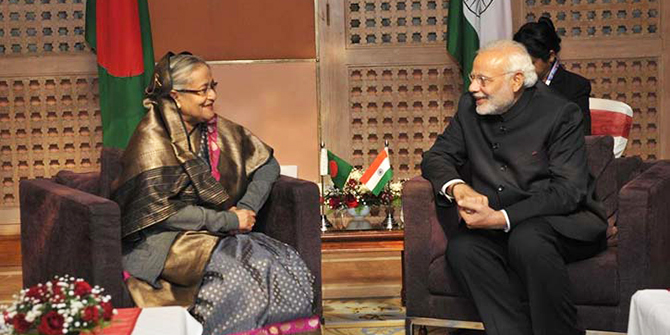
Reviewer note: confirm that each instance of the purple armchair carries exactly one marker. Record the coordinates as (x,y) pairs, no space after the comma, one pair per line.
(69,226)
(636,195)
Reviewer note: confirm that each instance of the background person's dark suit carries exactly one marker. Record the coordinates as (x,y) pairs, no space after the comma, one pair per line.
(530,161)
(576,89)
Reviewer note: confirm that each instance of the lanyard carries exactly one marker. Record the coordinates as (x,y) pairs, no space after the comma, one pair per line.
(554,68)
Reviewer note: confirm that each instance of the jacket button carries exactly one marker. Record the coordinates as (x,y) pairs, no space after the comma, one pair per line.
(496,146)
(503,167)
(503,129)
(501,188)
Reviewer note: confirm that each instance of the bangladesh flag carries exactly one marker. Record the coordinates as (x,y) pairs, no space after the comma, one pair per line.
(472,24)
(336,167)
(119,31)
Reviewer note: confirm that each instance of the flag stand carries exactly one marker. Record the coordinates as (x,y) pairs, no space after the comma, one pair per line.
(389,223)
(325,224)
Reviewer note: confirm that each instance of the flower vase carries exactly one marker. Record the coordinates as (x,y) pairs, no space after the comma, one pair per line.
(358,218)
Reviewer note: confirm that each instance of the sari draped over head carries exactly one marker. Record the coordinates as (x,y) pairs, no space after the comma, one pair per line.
(162,172)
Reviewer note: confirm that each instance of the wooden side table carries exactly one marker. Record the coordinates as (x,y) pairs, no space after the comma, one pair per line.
(359,264)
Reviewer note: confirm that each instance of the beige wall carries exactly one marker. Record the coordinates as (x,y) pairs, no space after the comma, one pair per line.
(277,102)
(274,95)
(234,29)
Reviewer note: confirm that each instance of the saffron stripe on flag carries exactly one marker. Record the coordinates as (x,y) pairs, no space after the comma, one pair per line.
(378,174)
(374,166)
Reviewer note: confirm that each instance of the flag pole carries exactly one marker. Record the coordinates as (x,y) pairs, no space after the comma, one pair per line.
(324,220)
(390,223)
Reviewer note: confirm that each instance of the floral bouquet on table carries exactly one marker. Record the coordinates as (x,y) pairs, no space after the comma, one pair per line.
(64,305)
(356,195)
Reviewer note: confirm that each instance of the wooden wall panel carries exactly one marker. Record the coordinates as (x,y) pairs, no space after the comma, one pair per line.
(385,75)
(234,29)
(49,114)
(619,46)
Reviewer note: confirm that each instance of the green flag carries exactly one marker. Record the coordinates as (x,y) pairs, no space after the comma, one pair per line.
(338,170)
(472,24)
(119,31)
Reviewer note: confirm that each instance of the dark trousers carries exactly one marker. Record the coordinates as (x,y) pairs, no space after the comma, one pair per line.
(519,280)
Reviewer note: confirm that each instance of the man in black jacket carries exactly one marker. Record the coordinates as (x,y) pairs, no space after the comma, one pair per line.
(528,206)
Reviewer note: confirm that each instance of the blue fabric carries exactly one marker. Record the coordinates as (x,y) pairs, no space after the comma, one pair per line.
(251,281)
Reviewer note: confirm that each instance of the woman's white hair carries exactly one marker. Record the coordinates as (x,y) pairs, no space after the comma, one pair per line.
(517,57)
(181,67)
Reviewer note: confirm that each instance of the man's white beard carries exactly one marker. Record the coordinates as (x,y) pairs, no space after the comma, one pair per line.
(496,104)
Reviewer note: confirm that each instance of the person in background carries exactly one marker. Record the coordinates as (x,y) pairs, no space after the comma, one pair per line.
(543,45)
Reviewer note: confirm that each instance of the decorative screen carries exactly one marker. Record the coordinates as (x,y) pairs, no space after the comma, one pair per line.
(599,18)
(47,124)
(406,105)
(374,23)
(42,27)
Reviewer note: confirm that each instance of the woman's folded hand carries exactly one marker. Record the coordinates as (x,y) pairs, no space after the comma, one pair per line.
(246,219)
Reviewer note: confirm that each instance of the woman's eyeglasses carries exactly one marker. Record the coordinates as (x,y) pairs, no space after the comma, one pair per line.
(202,92)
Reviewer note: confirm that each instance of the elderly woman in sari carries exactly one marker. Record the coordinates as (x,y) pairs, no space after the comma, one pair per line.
(191,185)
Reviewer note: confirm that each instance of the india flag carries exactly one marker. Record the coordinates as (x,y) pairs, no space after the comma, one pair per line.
(119,31)
(379,173)
(474,23)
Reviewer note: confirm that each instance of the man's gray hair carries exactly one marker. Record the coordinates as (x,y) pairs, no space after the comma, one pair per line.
(181,66)
(518,59)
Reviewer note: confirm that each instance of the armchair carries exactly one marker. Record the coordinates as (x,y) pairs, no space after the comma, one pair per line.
(69,226)
(635,194)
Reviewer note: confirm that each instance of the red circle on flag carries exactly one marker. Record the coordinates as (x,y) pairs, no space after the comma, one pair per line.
(332,167)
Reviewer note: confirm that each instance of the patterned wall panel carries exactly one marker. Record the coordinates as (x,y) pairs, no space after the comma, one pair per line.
(38,27)
(406,105)
(47,124)
(635,82)
(374,23)
(599,18)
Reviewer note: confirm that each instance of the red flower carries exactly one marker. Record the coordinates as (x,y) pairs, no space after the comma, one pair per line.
(351,201)
(58,295)
(36,292)
(352,183)
(20,324)
(52,324)
(91,314)
(334,202)
(107,311)
(82,288)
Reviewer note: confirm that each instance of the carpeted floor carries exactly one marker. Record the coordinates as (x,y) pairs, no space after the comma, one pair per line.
(364,317)
(367,317)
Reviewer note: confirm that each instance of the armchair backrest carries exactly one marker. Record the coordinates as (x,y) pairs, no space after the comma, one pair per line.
(110,169)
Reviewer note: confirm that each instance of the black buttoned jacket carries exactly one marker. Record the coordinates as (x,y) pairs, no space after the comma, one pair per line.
(530,161)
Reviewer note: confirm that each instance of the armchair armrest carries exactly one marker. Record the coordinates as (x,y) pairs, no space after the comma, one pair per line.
(427,228)
(88,182)
(644,230)
(67,231)
(291,215)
